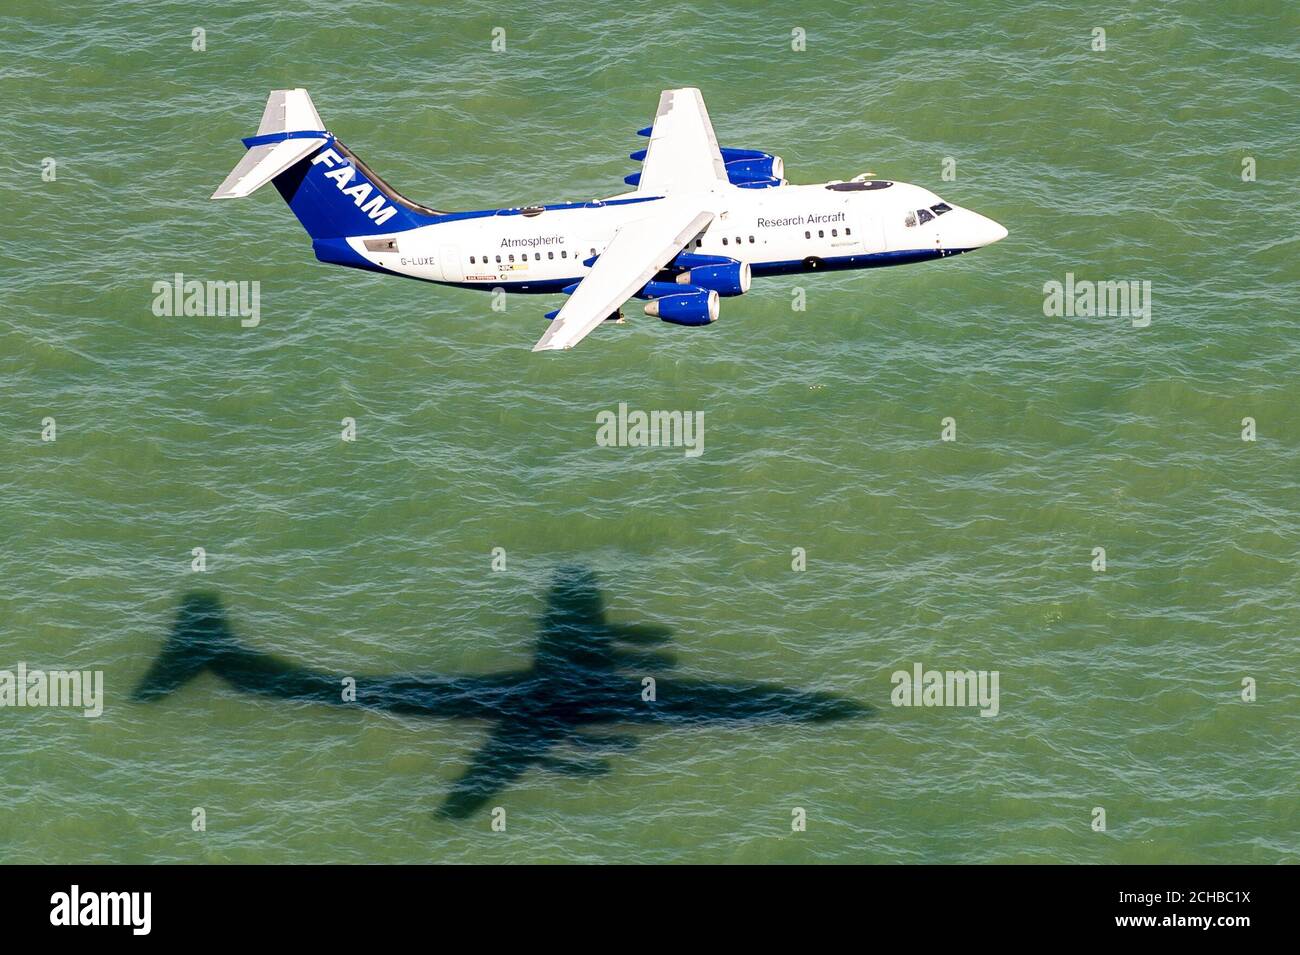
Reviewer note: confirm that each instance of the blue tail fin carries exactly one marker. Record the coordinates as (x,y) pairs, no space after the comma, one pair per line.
(333,193)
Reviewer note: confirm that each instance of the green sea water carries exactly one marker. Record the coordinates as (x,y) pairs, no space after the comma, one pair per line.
(1119,690)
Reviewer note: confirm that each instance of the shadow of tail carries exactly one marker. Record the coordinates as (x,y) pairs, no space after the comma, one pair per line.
(199,637)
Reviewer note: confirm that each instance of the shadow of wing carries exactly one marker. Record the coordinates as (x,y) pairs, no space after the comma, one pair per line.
(509,751)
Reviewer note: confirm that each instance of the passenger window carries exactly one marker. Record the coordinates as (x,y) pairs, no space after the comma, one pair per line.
(821,233)
(923,216)
(498,260)
(751,240)
(834,233)
(564,253)
(471,260)
(511,257)
(724,240)
(848,231)
(807,235)
(550,255)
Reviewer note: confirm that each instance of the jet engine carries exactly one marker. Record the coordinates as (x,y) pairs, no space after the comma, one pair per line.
(748,168)
(728,278)
(692,306)
(752,166)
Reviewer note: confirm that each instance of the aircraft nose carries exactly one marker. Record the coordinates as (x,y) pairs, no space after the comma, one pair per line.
(982,231)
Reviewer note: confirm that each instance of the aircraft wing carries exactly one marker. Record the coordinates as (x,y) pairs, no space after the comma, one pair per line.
(683,154)
(510,749)
(638,250)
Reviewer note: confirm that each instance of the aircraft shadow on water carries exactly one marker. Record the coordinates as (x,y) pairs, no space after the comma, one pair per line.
(586,673)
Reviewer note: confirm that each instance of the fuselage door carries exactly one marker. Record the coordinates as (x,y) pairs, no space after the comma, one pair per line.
(867,223)
(453,270)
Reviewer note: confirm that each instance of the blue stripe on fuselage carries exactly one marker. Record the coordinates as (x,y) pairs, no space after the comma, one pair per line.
(338,252)
(867,260)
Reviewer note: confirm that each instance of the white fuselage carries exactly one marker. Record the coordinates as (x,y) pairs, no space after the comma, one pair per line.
(784,229)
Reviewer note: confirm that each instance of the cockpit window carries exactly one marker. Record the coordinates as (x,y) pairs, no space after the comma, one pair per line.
(923,216)
(941,208)
(910,220)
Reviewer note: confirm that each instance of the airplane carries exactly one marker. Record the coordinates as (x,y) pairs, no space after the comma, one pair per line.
(586,673)
(701,221)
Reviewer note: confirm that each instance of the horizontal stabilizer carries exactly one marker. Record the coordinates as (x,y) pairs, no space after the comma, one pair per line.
(290,129)
(263,163)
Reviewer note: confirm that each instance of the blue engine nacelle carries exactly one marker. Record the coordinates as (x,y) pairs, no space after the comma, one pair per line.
(760,168)
(729,278)
(693,306)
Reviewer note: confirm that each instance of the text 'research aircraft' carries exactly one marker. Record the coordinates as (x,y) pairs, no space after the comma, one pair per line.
(700,222)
